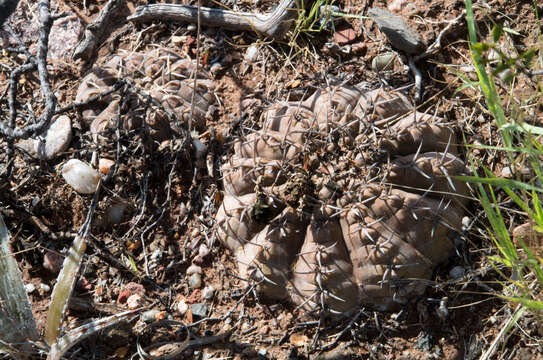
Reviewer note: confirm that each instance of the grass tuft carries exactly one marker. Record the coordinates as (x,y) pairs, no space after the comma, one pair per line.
(522,150)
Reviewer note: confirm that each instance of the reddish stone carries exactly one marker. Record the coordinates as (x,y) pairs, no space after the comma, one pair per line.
(195,297)
(344,36)
(123,296)
(128,290)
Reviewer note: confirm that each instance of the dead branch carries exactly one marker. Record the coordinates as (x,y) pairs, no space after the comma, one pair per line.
(274,25)
(12,132)
(97,30)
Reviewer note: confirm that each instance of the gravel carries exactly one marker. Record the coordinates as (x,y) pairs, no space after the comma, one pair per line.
(400,35)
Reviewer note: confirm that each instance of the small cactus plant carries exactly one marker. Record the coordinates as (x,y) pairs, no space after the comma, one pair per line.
(344,199)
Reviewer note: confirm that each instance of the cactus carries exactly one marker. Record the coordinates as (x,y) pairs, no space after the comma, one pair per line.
(342,200)
(162,74)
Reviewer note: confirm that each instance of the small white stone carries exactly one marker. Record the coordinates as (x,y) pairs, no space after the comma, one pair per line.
(194,269)
(182,307)
(262,352)
(105,165)
(507,173)
(215,68)
(208,292)
(45,287)
(251,54)
(30,288)
(134,301)
(56,139)
(81,176)
(203,250)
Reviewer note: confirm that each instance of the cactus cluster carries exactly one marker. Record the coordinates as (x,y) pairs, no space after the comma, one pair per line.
(345,199)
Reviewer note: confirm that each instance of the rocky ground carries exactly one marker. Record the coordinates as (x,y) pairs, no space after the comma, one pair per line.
(153,242)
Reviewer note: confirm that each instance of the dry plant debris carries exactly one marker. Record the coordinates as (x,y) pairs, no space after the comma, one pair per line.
(346,198)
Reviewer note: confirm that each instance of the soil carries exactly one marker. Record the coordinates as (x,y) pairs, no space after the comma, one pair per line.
(170,197)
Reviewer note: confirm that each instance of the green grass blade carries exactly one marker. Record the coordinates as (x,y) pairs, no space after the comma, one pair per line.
(499,182)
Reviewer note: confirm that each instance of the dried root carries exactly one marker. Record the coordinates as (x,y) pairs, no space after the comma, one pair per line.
(344,199)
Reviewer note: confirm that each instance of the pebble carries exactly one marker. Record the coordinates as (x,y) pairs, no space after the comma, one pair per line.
(194,269)
(81,176)
(195,281)
(182,307)
(262,352)
(216,68)
(466,222)
(203,250)
(116,212)
(251,54)
(506,172)
(200,148)
(524,172)
(105,165)
(65,35)
(45,288)
(134,301)
(150,315)
(208,292)
(30,288)
(191,27)
(52,261)
(56,139)
(457,272)
(397,31)
(199,310)
(384,62)
(344,36)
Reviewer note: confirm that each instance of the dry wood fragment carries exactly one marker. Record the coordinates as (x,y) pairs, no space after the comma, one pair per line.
(97,30)
(274,25)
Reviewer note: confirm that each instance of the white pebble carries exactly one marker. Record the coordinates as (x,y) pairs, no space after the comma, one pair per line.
(46,288)
(203,250)
(215,68)
(105,165)
(194,269)
(134,301)
(30,288)
(81,176)
(208,292)
(251,54)
(182,307)
(57,138)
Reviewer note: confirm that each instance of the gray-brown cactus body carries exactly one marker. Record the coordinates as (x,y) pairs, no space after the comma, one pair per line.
(161,73)
(355,199)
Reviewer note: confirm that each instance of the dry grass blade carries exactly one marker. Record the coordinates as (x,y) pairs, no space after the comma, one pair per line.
(16,319)
(67,277)
(64,343)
